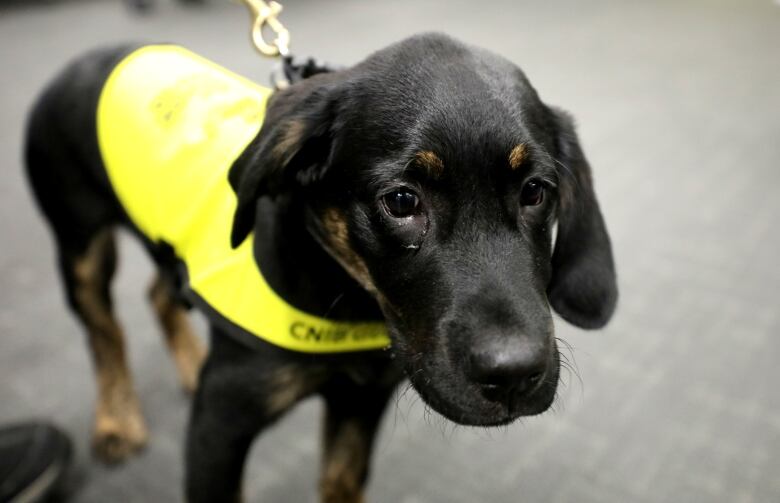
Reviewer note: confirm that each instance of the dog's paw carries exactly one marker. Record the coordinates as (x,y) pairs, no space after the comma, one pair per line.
(115,440)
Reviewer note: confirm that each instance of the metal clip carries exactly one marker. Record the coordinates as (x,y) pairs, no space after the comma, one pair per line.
(265,14)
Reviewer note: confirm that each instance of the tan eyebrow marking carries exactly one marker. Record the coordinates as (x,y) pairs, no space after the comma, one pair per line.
(517,156)
(430,162)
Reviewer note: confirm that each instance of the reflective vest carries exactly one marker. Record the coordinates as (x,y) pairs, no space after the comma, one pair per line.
(170,124)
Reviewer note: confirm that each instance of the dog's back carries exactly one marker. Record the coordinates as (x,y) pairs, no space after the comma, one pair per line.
(62,155)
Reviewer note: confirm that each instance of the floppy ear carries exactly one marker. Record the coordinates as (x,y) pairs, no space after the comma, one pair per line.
(583,288)
(291,149)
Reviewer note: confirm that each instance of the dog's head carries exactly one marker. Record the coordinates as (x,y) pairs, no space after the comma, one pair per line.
(435,176)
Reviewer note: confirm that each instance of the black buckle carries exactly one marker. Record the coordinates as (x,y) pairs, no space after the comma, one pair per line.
(293,70)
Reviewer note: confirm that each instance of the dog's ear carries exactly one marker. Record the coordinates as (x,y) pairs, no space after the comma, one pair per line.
(583,287)
(292,148)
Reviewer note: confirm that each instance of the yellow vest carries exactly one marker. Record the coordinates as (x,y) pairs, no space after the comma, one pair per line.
(170,124)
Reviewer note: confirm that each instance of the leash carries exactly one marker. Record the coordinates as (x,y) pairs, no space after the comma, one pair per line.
(265,15)
(291,70)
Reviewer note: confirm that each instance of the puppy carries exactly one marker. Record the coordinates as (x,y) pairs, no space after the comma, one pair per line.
(391,220)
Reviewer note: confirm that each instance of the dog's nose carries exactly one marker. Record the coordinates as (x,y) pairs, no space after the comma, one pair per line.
(507,369)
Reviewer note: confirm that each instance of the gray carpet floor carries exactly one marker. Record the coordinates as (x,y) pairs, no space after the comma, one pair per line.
(678,104)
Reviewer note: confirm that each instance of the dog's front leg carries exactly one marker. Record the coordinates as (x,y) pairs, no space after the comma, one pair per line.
(352,417)
(241,391)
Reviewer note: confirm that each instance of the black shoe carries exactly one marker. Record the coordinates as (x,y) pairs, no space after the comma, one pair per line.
(33,460)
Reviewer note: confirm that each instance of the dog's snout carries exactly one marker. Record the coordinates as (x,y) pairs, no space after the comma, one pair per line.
(507,369)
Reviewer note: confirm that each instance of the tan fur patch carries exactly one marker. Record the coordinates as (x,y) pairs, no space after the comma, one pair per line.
(431,162)
(288,385)
(338,240)
(517,156)
(292,137)
(185,347)
(345,461)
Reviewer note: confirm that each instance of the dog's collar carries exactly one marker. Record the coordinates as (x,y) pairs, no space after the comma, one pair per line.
(170,125)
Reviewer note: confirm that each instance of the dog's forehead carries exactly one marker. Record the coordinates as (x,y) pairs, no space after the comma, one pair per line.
(432,93)
(433,70)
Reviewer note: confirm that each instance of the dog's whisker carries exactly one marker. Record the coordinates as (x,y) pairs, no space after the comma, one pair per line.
(571,363)
(333,304)
(569,172)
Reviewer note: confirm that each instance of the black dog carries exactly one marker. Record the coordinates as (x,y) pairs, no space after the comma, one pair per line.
(420,187)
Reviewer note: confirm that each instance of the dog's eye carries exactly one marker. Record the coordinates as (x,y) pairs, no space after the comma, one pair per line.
(401,202)
(532,193)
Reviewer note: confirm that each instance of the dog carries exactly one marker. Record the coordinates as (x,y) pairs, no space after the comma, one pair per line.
(426,194)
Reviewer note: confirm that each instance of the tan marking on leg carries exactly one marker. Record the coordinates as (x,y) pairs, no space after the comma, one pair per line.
(344,463)
(185,347)
(119,424)
(517,156)
(431,162)
(290,384)
(340,248)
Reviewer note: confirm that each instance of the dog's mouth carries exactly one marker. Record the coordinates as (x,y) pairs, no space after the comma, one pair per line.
(453,396)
